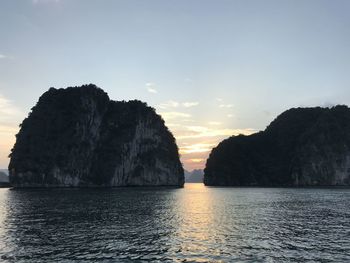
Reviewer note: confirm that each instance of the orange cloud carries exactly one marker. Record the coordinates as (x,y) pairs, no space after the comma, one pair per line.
(196,148)
(200,132)
(174,115)
(192,164)
(196,160)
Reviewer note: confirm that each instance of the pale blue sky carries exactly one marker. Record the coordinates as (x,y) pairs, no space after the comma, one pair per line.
(219,67)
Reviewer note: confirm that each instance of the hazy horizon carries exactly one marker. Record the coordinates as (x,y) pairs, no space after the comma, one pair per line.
(212,69)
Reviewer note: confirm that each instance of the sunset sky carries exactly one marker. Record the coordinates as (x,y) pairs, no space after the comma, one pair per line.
(211,68)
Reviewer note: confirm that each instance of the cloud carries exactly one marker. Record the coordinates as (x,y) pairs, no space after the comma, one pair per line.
(190,104)
(214,123)
(197,128)
(152,90)
(197,148)
(196,142)
(201,132)
(219,99)
(169,104)
(174,115)
(170,124)
(175,104)
(225,106)
(2,56)
(189,120)
(194,156)
(151,87)
(229,115)
(196,160)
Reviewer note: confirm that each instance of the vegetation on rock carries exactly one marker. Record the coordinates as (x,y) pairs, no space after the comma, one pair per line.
(78,137)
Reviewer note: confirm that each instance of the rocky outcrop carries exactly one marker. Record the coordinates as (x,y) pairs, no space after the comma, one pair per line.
(301,147)
(78,137)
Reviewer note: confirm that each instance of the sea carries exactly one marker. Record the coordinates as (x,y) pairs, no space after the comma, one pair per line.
(191,224)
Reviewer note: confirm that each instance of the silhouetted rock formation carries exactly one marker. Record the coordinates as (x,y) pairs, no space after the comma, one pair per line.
(301,147)
(78,137)
(196,176)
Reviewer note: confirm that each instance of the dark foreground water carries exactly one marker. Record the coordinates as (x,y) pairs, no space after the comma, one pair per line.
(193,224)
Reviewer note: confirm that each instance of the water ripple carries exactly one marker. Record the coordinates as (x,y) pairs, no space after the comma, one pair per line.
(194,224)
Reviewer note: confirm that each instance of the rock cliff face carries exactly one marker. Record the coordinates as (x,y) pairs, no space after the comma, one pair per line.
(301,147)
(79,137)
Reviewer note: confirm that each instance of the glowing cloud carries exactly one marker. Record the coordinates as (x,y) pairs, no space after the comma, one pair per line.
(174,115)
(196,160)
(196,148)
(170,124)
(200,132)
(196,141)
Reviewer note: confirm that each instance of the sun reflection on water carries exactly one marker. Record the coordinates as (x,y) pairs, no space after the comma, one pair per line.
(3,217)
(197,229)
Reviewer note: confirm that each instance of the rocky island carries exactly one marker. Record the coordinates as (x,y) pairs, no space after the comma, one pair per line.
(78,137)
(4,179)
(195,176)
(301,147)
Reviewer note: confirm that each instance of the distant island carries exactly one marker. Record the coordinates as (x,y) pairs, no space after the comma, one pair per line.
(195,176)
(301,147)
(78,137)
(4,178)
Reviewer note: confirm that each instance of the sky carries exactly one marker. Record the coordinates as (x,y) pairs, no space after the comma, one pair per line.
(211,69)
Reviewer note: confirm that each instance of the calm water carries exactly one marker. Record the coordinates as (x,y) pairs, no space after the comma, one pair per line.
(193,224)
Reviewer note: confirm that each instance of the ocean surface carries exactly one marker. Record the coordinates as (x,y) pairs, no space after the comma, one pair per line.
(192,224)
